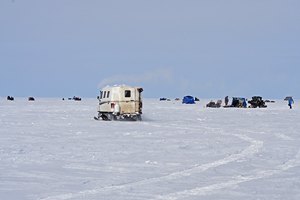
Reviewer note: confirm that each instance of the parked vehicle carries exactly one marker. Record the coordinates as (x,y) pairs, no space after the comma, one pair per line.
(31,99)
(257,102)
(10,98)
(76,98)
(120,102)
(163,99)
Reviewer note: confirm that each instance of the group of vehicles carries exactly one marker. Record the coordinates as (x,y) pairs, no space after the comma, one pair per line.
(10,98)
(238,102)
(74,98)
(123,102)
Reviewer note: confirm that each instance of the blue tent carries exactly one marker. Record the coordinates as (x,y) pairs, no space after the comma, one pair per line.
(238,102)
(188,100)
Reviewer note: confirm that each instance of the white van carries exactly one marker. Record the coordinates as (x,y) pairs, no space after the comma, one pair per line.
(120,102)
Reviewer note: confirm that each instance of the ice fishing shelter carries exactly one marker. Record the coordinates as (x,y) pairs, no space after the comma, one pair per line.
(288,98)
(188,100)
(239,102)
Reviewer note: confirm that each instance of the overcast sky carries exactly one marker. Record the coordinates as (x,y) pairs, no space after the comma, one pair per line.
(171,48)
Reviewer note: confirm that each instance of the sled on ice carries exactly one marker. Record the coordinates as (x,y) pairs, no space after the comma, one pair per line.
(120,102)
(212,104)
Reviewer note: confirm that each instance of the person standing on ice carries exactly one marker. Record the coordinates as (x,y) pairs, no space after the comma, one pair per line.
(226,100)
(290,102)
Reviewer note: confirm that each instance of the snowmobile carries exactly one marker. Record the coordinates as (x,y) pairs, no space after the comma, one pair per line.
(31,99)
(196,99)
(10,98)
(257,102)
(76,98)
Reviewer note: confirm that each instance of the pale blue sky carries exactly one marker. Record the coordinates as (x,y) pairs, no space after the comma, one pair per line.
(172,48)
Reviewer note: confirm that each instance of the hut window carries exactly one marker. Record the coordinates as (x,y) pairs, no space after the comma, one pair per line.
(107,94)
(101,93)
(127,93)
(104,94)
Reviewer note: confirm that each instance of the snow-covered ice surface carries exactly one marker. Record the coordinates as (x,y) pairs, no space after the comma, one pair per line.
(54,150)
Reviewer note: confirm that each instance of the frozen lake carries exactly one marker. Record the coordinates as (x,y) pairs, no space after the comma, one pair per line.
(53,149)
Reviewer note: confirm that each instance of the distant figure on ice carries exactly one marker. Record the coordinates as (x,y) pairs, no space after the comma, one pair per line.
(226,100)
(290,102)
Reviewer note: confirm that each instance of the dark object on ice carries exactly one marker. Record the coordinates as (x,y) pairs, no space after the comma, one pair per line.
(212,104)
(163,99)
(69,98)
(188,100)
(238,102)
(257,102)
(10,98)
(31,99)
(226,100)
(177,99)
(168,99)
(268,101)
(63,99)
(196,99)
(76,98)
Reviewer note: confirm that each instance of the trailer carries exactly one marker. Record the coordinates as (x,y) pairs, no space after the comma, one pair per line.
(120,102)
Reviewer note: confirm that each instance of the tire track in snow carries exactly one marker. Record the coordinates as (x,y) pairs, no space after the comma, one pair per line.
(200,191)
(250,150)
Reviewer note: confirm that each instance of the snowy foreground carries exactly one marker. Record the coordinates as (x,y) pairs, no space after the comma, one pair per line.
(53,150)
